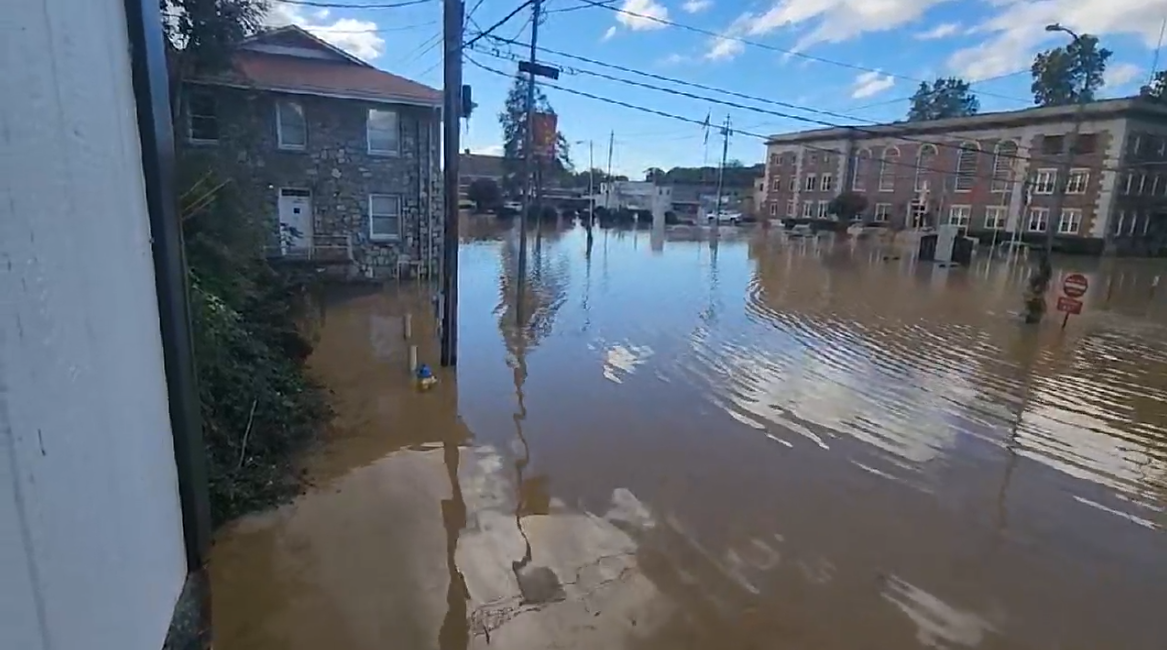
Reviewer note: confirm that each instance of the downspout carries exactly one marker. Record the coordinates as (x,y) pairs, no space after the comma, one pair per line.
(152,100)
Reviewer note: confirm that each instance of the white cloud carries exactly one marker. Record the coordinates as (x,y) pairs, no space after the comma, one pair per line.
(1016,31)
(488,150)
(1120,74)
(724,49)
(829,21)
(357,37)
(870,84)
(650,12)
(608,34)
(939,31)
(696,6)
(673,59)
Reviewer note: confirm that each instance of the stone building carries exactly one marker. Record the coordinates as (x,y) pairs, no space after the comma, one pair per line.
(342,157)
(993,174)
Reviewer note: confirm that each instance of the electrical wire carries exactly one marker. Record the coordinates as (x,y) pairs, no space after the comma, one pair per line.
(486,32)
(714,100)
(764,138)
(765,46)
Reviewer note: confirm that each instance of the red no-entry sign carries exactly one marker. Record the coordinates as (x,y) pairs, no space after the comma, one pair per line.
(1075,285)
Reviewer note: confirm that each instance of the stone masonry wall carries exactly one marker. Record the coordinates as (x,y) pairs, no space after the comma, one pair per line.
(338,170)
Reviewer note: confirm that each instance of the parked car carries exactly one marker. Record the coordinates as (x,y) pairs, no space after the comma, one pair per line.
(732,218)
(510,208)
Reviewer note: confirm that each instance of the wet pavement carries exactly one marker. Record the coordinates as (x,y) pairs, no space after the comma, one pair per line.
(740,442)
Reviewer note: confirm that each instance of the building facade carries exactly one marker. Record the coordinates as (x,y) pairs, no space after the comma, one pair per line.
(343,158)
(993,174)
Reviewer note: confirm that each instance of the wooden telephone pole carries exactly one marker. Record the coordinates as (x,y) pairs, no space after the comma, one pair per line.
(451,118)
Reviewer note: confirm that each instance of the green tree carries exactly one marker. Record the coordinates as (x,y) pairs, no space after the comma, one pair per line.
(485,193)
(848,205)
(1157,89)
(946,97)
(654,174)
(513,120)
(1069,74)
(202,34)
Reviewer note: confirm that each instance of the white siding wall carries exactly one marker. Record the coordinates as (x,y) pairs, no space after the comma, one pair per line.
(91,547)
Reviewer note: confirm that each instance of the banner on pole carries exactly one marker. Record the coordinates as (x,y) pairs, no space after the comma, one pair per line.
(545,134)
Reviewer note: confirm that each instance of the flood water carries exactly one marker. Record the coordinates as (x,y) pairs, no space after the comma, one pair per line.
(679,441)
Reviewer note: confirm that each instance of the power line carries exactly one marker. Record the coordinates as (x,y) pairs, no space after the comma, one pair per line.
(488,30)
(884,102)
(340,5)
(764,138)
(743,41)
(680,93)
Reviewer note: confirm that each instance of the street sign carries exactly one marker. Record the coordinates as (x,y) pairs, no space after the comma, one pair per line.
(545,134)
(1069,305)
(1075,285)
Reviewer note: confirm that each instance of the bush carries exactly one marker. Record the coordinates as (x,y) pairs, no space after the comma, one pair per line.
(258,405)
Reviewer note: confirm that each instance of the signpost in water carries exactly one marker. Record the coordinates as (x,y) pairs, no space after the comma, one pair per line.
(1074,286)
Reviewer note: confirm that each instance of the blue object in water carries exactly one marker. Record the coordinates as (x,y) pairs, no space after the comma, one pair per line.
(424,372)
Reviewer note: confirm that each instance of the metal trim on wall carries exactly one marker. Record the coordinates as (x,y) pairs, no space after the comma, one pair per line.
(152,100)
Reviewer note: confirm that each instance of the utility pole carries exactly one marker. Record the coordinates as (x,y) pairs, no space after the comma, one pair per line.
(529,140)
(608,194)
(452,107)
(721,170)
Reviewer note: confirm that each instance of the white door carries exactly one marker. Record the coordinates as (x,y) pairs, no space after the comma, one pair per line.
(295,221)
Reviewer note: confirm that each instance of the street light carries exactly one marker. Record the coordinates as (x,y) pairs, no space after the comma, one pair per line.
(1039,283)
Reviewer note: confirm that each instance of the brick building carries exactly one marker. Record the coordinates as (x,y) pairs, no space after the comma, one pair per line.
(990,172)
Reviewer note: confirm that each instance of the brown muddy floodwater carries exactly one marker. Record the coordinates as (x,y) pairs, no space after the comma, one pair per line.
(749,442)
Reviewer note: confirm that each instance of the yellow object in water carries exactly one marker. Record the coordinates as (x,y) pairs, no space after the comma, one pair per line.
(426,383)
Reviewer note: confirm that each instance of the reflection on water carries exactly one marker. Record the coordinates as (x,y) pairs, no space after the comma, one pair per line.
(744,441)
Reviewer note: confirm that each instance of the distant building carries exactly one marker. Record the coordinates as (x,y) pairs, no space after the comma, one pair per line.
(473,166)
(991,172)
(343,157)
(636,195)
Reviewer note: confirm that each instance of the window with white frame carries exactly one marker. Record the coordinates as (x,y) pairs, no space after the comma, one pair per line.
(1077,181)
(793,184)
(1133,222)
(862,165)
(384,217)
(773,209)
(1070,222)
(808,209)
(1142,184)
(202,117)
(887,169)
(776,184)
(882,212)
(791,206)
(925,166)
(996,217)
(1038,220)
(966,166)
(812,158)
(1117,227)
(824,209)
(920,215)
(811,183)
(291,129)
(826,182)
(382,131)
(1127,182)
(959,215)
(1004,155)
(1044,181)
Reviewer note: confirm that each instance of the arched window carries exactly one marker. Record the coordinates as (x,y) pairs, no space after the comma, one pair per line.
(925,167)
(887,169)
(966,166)
(862,165)
(1004,156)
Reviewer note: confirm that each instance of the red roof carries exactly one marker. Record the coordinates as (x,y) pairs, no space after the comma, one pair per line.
(314,76)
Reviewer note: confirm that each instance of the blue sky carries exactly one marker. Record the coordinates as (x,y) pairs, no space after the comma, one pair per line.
(857,58)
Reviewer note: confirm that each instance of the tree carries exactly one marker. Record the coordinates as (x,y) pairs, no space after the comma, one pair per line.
(202,34)
(848,205)
(485,193)
(947,97)
(1069,74)
(513,120)
(1157,89)
(654,174)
